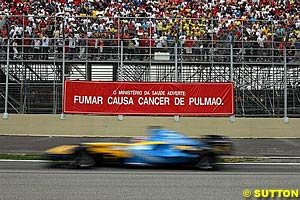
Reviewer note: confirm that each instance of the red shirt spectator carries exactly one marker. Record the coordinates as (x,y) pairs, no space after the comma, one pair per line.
(189,42)
(91,42)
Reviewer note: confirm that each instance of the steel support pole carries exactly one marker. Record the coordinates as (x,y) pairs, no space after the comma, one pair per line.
(150,51)
(5,114)
(122,62)
(120,78)
(62,115)
(232,117)
(176,117)
(176,62)
(285,118)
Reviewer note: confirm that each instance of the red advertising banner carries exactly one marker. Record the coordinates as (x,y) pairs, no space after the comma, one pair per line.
(127,98)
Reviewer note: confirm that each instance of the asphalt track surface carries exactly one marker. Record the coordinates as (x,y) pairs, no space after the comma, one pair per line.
(22,180)
(243,147)
(35,181)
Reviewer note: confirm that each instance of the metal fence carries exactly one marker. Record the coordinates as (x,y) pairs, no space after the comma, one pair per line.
(265,69)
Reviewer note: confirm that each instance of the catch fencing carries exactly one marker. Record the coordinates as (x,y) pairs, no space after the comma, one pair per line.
(37,57)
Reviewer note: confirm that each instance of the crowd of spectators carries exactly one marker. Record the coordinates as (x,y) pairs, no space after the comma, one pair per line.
(198,27)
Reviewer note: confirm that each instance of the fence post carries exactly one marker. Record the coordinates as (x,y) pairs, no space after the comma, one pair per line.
(150,50)
(121,63)
(62,115)
(176,117)
(176,61)
(285,118)
(5,114)
(232,117)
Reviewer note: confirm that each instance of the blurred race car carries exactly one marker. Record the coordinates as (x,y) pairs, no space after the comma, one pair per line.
(161,148)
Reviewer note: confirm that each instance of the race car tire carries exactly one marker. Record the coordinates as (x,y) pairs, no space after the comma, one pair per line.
(82,160)
(222,145)
(207,162)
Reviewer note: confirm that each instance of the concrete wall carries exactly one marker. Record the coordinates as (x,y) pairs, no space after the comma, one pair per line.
(86,125)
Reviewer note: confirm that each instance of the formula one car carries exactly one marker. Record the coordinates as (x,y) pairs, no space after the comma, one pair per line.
(161,148)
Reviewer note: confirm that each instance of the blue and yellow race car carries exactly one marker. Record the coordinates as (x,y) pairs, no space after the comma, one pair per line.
(161,148)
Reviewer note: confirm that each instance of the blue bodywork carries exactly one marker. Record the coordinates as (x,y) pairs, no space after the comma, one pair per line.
(172,137)
(164,152)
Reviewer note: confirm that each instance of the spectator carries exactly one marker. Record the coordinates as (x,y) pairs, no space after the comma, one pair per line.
(100,46)
(82,45)
(126,38)
(114,47)
(92,47)
(45,47)
(144,46)
(15,49)
(297,49)
(130,49)
(37,49)
(159,45)
(72,46)
(188,47)
(59,44)
(136,42)
(160,19)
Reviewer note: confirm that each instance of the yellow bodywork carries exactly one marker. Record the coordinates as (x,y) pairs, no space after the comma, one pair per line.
(183,147)
(108,149)
(62,150)
(222,148)
(118,150)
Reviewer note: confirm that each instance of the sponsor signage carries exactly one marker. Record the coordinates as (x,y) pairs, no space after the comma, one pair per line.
(128,98)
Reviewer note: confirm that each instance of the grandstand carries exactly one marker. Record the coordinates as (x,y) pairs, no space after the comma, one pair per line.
(255,44)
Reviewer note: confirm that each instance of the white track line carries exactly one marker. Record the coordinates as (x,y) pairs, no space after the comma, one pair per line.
(265,163)
(263,157)
(9,160)
(241,163)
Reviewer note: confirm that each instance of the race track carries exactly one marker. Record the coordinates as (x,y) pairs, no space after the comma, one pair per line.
(243,147)
(34,181)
